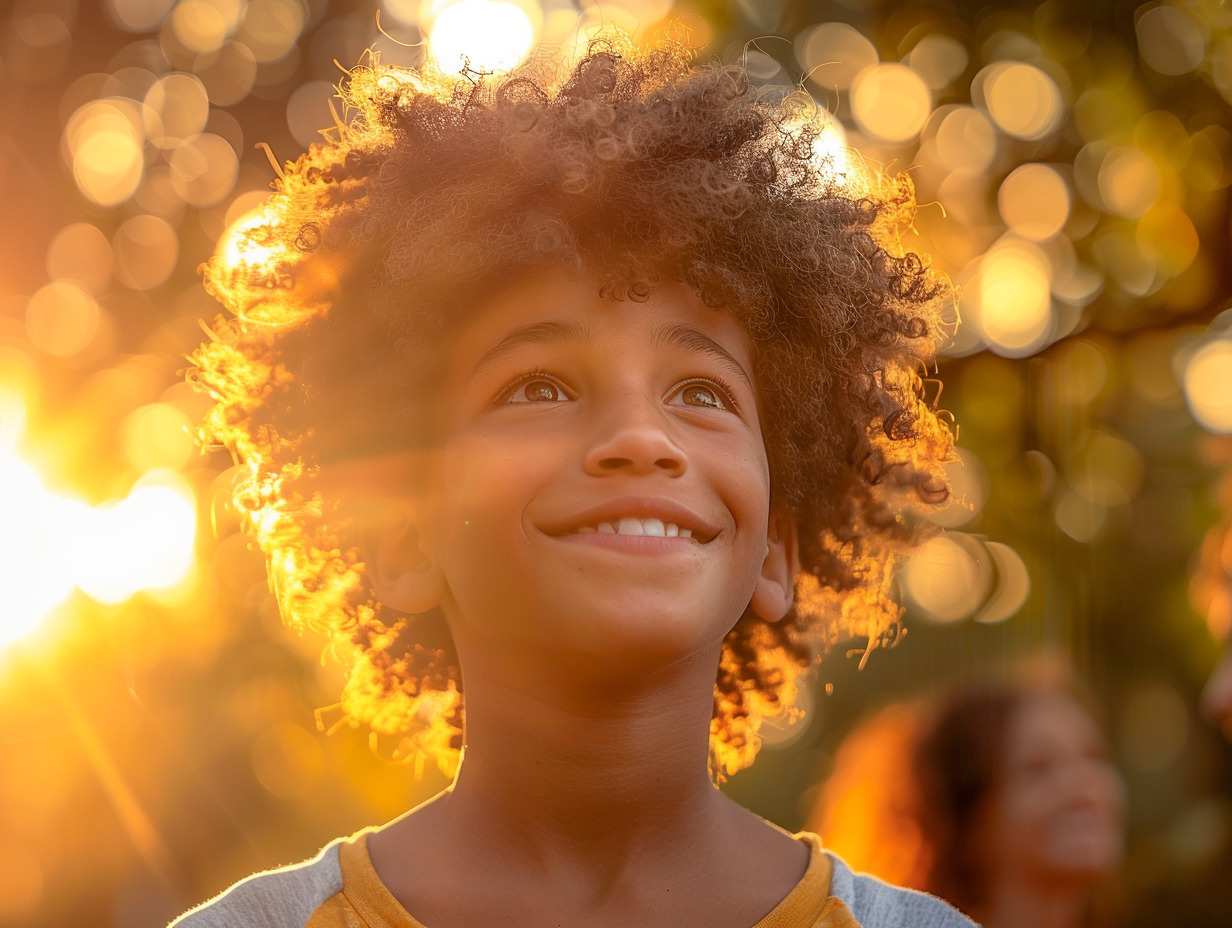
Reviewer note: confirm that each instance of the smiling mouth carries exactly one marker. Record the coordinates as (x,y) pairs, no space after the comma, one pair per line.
(629,526)
(634,517)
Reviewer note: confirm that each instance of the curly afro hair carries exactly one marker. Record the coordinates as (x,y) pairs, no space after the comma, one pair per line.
(345,286)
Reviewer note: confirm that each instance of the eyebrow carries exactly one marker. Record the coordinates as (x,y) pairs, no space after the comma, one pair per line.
(689,338)
(677,335)
(537,333)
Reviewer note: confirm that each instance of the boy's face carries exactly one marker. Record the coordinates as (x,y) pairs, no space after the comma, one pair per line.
(600,492)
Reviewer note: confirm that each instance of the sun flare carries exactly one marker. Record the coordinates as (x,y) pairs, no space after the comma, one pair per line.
(51,544)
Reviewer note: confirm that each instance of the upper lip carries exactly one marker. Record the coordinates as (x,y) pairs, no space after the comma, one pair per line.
(633,508)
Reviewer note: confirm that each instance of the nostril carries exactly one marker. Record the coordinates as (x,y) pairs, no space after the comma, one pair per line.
(640,449)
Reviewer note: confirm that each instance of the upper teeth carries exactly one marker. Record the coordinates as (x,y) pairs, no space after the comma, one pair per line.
(638,527)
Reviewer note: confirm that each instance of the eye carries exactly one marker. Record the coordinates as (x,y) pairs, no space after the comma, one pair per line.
(707,394)
(535,388)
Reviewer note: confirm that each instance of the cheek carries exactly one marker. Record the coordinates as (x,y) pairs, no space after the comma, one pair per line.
(742,477)
(483,481)
(477,499)
(1022,814)
(1113,791)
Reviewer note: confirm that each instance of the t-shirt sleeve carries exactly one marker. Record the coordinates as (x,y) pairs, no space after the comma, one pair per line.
(876,904)
(284,898)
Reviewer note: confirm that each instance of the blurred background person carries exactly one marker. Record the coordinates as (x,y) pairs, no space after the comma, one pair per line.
(1000,798)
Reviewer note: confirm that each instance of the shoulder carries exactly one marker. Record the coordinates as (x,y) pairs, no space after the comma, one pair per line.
(282,898)
(879,905)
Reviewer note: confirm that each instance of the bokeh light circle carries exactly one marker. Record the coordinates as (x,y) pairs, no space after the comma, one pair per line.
(966,139)
(1167,236)
(1079,517)
(181,106)
(968,491)
(1021,99)
(404,12)
(1010,299)
(105,144)
(62,319)
(891,102)
(308,111)
(146,250)
(204,170)
(1208,386)
(228,74)
(138,15)
(1129,182)
(1034,201)
(81,252)
(832,54)
(202,26)
(157,436)
(1104,468)
(1170,40)
(944,578)
(1013,585)
(271,28)
(938,59)
(1220,63)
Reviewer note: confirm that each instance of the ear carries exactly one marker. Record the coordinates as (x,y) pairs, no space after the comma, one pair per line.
(776,586)
(401,573)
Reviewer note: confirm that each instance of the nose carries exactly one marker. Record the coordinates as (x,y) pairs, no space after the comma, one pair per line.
(635,439)
(1097,784)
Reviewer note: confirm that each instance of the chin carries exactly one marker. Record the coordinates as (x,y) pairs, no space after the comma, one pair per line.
(1092,858)
(651,620)
(659,640)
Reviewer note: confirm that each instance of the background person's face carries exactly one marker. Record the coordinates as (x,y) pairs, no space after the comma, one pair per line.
(1058,814)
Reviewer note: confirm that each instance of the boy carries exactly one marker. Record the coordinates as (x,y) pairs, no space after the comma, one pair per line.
(574,388)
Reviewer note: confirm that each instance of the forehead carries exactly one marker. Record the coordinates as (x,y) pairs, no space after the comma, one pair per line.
(552,305)
(1048,719)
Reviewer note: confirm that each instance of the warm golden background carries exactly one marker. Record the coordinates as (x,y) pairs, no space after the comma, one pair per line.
(157,729)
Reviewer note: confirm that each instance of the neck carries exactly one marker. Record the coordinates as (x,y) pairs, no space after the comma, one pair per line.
(599,791)
(1036,902)
(551,761)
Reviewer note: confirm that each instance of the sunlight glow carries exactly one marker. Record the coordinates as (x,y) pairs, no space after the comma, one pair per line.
(144,541)
(830,149)
(30,584)
(489,35)
(50,544)
(242,245)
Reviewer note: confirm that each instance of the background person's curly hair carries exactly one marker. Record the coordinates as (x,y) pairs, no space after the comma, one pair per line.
(346,286)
